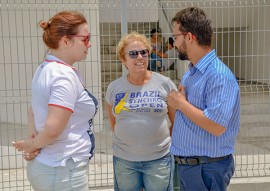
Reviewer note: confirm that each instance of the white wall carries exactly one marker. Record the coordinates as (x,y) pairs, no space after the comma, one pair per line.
(256,64)
(138,11)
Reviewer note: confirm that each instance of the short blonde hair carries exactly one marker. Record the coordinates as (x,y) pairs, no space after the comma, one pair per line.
(125,40)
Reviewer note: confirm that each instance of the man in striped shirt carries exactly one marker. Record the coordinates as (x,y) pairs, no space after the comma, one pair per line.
(208,108)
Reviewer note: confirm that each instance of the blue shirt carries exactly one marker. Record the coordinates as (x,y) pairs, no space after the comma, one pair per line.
(211,87)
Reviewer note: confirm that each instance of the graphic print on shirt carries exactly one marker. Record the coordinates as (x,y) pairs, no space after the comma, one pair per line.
(120,102)
(145,101)
(90,122)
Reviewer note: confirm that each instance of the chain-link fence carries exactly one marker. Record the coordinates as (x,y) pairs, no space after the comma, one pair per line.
(241,39)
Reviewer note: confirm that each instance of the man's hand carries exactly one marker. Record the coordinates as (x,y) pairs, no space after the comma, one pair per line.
(176,99)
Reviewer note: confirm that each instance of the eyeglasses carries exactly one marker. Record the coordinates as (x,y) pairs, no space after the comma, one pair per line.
(135,53)
(176,35)
(86,40)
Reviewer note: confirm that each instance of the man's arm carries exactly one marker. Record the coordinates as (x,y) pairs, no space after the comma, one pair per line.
(177,100)
(171,114)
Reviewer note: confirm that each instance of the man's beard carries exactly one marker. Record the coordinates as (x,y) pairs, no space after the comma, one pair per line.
(182,56)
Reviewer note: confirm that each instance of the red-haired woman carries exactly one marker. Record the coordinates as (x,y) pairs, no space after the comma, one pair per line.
(60,119)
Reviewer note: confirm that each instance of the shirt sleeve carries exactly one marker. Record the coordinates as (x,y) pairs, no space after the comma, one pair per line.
(64,91)
(172,85)
(221,97)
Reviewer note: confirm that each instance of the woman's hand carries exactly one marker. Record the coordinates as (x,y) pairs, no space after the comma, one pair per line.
(26,146)
(31,156)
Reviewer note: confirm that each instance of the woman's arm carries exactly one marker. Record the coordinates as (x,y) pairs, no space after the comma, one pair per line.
(32,132)
(110,115)
(162,54)
(56,122)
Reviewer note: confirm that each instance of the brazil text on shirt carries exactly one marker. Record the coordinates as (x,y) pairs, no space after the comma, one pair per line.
(147,101)
(145,94)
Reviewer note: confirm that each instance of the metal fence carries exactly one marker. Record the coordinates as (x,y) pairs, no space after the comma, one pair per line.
(241,39)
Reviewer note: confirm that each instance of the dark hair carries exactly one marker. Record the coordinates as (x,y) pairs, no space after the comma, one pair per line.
(153,31)
(170,41)
(195,21)
(61,24)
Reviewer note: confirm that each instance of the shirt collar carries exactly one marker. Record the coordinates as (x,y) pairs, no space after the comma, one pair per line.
(52,58)
(203,63)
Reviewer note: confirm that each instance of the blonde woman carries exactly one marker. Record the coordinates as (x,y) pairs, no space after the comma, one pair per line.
(140,120)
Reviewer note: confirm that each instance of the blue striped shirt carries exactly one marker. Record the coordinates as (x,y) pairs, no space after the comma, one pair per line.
(211,87)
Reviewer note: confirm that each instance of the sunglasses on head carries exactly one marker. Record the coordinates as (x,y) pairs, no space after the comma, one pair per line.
(86,38)
(135,53)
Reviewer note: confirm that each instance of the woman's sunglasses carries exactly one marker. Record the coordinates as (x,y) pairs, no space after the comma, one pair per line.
(135,53)
(86,38)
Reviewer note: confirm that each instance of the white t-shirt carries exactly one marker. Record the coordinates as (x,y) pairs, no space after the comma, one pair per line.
(57,83)
(172,56)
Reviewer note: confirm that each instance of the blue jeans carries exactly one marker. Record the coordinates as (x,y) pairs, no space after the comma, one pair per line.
(74,176)
(213,176)
(154,175)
